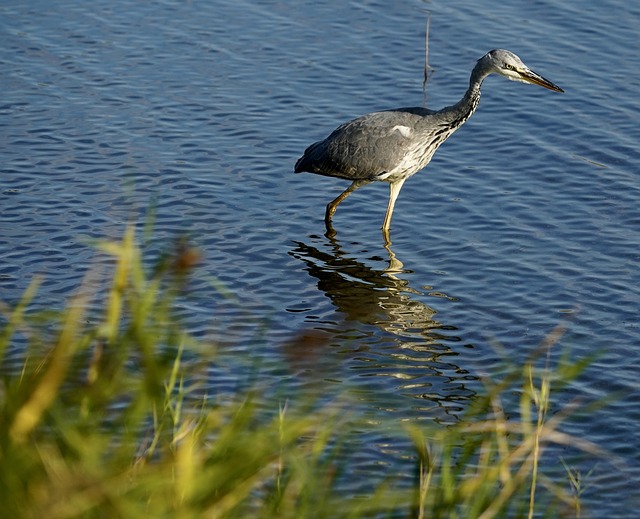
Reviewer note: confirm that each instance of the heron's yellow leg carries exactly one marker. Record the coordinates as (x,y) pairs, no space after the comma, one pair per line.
(332,206)
(394,191)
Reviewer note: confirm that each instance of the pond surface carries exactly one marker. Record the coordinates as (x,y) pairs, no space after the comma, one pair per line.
(526,219)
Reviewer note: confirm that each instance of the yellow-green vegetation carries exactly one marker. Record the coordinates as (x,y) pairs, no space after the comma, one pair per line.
(105,419)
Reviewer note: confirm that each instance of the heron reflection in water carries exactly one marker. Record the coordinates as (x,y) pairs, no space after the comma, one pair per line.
(367,295)
(393,145)
(381,298)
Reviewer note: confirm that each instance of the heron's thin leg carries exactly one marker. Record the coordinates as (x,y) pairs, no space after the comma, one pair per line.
(332,206)
(394,190)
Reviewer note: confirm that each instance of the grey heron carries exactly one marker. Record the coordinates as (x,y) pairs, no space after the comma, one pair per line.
(393,145)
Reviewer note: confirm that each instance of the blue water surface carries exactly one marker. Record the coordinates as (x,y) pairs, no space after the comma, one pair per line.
(526,220)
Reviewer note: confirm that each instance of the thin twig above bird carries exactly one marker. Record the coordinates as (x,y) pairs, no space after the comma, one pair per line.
(395,144)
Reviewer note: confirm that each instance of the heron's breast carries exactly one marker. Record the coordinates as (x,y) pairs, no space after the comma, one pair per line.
(413,160)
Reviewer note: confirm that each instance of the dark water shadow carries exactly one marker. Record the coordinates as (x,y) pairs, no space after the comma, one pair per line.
(403,342)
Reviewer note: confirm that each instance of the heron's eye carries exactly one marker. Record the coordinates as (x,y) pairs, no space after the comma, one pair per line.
(509,66)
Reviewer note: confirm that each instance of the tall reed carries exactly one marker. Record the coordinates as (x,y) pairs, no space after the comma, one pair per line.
(106,419)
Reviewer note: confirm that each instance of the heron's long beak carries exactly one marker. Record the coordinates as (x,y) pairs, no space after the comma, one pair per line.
(530,76)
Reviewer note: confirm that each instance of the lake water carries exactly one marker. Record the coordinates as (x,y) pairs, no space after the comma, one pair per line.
(526,219)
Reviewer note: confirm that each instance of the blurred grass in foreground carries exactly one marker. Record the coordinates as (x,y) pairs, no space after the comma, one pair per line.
(103,421)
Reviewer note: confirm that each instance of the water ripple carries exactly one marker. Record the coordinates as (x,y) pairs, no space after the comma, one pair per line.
(192,115)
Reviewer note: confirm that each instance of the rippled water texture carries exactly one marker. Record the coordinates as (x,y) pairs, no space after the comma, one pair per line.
(527,218)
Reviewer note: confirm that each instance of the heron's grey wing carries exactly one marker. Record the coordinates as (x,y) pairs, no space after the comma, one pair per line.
(365,148)
(372,145)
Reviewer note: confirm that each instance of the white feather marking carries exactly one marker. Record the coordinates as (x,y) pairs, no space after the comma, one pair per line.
(405,131)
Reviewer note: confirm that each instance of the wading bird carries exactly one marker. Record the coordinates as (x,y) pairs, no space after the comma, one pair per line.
(393,145)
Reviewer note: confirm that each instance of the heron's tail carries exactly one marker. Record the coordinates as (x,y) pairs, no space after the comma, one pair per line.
(308,160)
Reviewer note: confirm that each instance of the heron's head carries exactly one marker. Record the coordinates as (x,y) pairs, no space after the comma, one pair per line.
(507,64)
